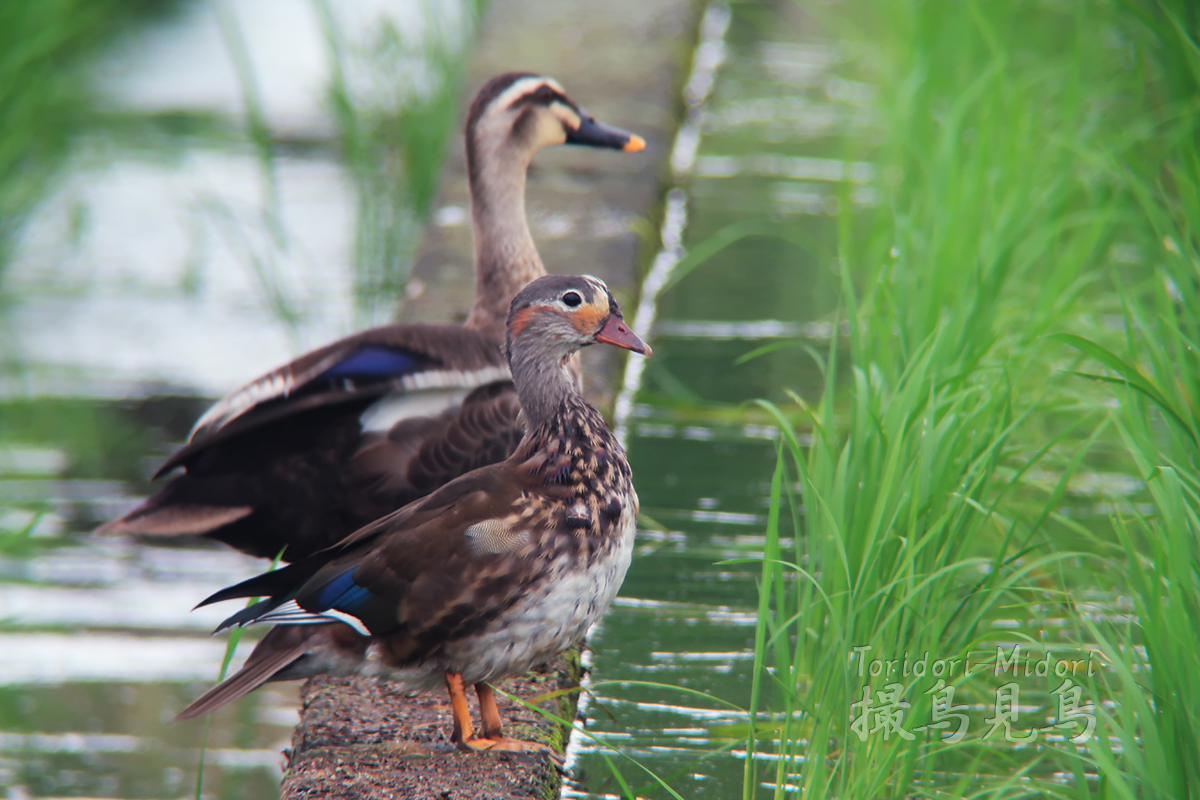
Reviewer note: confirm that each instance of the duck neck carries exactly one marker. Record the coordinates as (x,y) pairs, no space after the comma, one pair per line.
(545,386)
(506,259)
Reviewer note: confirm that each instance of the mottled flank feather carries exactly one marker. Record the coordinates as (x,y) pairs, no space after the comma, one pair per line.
(496,536)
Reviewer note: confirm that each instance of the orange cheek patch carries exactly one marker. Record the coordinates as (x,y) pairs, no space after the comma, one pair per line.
(588,318)
(521,321)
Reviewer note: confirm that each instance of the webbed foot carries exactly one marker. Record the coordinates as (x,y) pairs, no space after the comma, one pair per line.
(503,744)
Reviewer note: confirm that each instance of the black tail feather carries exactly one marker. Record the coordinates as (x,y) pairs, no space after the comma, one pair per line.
(276,584)
(249,614)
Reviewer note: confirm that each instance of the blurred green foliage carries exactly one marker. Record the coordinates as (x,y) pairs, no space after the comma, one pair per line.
(46,50)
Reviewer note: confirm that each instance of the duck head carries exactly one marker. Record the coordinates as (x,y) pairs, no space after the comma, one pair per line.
(549,321)
(522,113)
(511,118)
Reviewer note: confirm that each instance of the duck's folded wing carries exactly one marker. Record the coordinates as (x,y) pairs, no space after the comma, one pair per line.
(432,548)
(299,472)
(364,366)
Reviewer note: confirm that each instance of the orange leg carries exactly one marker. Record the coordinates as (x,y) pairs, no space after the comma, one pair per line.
(464,731)
(493,728)
(493,737)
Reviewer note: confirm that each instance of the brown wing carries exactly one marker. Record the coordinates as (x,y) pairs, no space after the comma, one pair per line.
(468,531)
(443,518)
(366,365)
(425,527)
(301,472)
(445,567)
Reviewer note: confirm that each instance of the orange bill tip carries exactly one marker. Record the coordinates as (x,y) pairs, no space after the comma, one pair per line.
(636,144)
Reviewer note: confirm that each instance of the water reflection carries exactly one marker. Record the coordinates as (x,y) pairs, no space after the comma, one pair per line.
(176,257)
(137,272)
(686,616)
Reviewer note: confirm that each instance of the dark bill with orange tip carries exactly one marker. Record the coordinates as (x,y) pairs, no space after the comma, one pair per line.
(616,332)
(597,134)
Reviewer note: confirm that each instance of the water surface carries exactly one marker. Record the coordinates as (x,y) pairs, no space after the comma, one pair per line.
(170,263)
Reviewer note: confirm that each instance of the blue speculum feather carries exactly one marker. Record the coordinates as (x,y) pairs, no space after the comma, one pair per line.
(373,362)
(342,594)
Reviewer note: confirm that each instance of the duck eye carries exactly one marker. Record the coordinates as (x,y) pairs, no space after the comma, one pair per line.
(572,299)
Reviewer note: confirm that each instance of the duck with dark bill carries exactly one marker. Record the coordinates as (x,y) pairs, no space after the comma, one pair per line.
(300,457)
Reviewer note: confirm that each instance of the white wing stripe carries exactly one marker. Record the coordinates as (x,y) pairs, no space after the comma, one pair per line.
(291,614)
(233,406)
(250,395)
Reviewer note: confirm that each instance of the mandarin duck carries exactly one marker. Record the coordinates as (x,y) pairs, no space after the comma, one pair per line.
(499,570)
(311,451)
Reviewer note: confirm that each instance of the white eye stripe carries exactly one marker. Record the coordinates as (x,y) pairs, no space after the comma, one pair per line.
(518,90)
(528,86)
(560,110)
(601,288)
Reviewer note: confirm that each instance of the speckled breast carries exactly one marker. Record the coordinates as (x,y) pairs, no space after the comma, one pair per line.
(571,594)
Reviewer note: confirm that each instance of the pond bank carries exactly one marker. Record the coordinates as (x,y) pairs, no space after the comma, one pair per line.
(591,212)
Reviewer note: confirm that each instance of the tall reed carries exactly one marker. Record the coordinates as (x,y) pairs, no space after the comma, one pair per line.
(1155,374)
(916,525)
(393,131)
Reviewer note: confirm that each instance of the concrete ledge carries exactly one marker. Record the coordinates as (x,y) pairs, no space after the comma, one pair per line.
(363,739)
